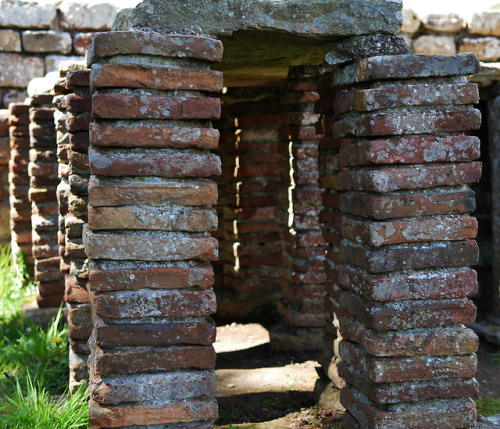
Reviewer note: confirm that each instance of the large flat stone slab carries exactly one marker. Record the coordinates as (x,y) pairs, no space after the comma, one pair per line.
(262,38)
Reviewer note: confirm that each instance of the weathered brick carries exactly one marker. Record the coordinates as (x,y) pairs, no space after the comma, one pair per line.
(406,66)
(111,276)
(47,41)
(405,369)
(159,78)
(456,340)
(408,231)
(414,177)
(144,135)
(19,70)
(436,284)
(412,391)
(150,246)
(144,303)
(152,43)
(78,78)
(410,150)
(151,191)
(154,334)
(137,414)
(152,359)
(124,106)
(408,122)
(153,162)
(82,42)
(409,314)
(393,96)
(408,204)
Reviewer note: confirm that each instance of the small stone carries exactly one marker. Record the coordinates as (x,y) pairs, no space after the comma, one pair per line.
(10,41)
(433,45)
(47,41)
(92,15)
(411,21)
(450,23)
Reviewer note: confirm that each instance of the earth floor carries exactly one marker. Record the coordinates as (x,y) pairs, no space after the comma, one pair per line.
(259,388)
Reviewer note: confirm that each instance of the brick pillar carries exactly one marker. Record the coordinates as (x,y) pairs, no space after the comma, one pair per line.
(73,150)
(148,237)
(407,240)
(5,234)
(250,222)
(301,271)
(43,172)
(20,206)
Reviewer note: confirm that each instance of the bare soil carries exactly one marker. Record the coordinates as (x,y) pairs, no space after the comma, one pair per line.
(262,389)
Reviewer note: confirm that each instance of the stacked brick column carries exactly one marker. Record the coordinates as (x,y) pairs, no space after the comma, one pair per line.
(301,271)
(5,235)
(148,238)
(20,206)
(251,226)
(43,172)
(77,106)
(407,240)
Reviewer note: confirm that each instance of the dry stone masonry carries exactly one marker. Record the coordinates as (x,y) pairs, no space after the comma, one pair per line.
(148,238)
(407,240)
(4,172)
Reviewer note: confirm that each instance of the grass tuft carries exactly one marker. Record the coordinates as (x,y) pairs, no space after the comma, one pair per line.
(488,406)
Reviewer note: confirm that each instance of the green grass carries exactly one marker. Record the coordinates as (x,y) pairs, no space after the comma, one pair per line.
(33,361)
(488,406)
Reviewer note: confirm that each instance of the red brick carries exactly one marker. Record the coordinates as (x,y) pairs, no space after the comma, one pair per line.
(449,414)
(394,393)
(153,162)
(409,204)
(152,43)
(82,43)
(158,78)
(450,283)
(401,123)
(144,135)
(415,177)
(415,256)
(409,314)
(75,290)
(113,192)
(404,369)
(408,231)
(152,359)
(150,334)
(124,106)
(416,342)
(79,123)
(392,96)
(136,414)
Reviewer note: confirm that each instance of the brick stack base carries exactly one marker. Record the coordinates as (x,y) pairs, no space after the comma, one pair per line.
(19,183)
(5,235)
(43,172)
(148,239)
(301,271)
(251,226)
(407,240)
(77,104)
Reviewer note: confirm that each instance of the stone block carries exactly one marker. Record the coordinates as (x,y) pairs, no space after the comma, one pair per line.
(434,45)
(150,246)
(411,21)
(449,23)
(146,135)
(47,41)
(23,14)
(486,48)
(18,70)
(87,16)
(10,41)
(485,23)
(124,106)
(52,62)
(82,42)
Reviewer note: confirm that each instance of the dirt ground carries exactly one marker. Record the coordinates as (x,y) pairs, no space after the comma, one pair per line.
(262,389)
